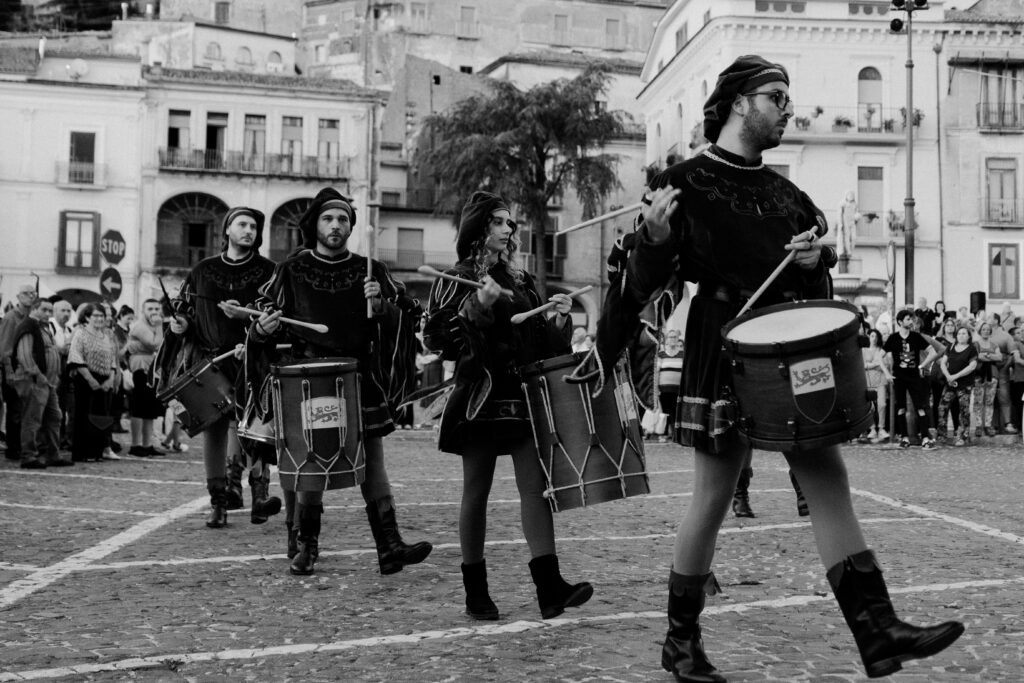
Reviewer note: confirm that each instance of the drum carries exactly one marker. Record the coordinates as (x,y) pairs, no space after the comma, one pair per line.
(206,395)
(318,424)
(591,449)
(798,375)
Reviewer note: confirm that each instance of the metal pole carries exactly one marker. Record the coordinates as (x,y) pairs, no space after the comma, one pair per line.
(909,225)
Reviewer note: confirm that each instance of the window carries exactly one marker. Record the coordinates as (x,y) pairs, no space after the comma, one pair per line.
(291,143)
(613,34)
(216,137)
(221,12)
(187,229)
(418,17)
(556,248)
(178,136)
(870,200)
(466,27)
(682,36)
(561,30)
(212,51)
(320,53)
(869,100)
(79,241)
(410,248)
(1001,191)
(466,69)
(1003,271)
(82,158)
(1002,94)
(244,56)
(328,147)
(254,142)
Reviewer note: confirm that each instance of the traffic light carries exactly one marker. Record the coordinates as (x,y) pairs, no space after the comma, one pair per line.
(902,5)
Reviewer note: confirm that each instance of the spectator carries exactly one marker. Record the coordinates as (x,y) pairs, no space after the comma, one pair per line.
(669,371)
(61,329)
(93,362)
(36,366)
(13,317)
(941,315)
(1017,376)
(904,346)
(1004,341)
(926,315)
(958,366)
(963,315)
(121,327)
(878,377)
(937,380)
(985,381)
(145,337)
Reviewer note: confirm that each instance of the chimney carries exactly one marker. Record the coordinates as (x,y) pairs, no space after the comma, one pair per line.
(124,11)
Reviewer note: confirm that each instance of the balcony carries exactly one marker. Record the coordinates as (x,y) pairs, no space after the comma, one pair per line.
(419,199)
(279,165)
(411,259)
(1000,117)
(1003,213)
(867,122)
(84,175)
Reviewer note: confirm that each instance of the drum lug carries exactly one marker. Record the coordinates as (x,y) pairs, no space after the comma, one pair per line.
(794,427)
(737,366)
(783,370)
(837,356)
(746,423)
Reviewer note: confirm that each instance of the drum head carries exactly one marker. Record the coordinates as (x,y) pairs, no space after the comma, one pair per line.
(791,324)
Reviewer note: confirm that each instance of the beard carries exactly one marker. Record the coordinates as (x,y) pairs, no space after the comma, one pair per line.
(759,132)
(334,241)
(244,247)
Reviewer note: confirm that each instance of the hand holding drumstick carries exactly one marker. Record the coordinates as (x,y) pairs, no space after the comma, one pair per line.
(562,303)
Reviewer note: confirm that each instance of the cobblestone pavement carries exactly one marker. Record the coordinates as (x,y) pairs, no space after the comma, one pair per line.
(107,573)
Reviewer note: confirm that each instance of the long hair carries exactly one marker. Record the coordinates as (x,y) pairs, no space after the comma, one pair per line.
(509,258)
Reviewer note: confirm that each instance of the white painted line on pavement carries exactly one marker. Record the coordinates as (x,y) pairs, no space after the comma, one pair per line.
(180,659)
(967,524)
(10,566)
(37,473)
(92,511)
(16,590)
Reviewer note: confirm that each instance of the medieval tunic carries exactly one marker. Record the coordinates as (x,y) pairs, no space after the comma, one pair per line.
(728,234)
(487,402)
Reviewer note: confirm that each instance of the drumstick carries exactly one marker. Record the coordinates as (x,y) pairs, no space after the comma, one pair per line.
(520,317)
(369,268)
(223,356)
(434,272)
(771,278)
(316,327)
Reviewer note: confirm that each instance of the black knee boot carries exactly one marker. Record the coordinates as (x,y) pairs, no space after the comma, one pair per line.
(801,502)
(478,602)
(293,539)
(683,652)
(218,504)
(741,498)
(234,485)
(554,593)
(263,504)
(308,539)
(392,552)
(884,641)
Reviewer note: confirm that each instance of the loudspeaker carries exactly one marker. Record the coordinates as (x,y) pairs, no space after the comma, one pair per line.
(977,302)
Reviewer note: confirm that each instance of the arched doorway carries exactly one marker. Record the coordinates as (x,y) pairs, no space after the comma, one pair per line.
(285,236)
(188,229)
(77,297)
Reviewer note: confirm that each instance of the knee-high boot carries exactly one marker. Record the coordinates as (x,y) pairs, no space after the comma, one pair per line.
(683,652)
(218,503)
(801,502)
(308,539)
(554,593)
(741,498)
(263,504)
(478,602)
(234,485)
(392,552)
(884,641)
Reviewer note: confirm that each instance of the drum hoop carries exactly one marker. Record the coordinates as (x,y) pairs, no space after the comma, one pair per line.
(187,377)
(541,367)
(325,367)
(821,340)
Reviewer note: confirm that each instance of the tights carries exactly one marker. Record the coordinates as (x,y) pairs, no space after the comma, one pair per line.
(375,486)
(823,480)
(478,463)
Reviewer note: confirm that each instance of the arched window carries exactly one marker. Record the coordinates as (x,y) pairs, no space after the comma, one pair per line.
(274,57)
(284,228)
(187,229)
(243,56)
(212,51)
(869,99)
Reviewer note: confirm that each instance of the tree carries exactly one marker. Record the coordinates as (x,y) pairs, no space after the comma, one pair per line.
(10,15)
(527,146)
(86,15)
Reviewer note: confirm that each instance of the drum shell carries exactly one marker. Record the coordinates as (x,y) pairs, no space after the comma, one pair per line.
(321,391)
(572,447)
(207,395)
(771,416)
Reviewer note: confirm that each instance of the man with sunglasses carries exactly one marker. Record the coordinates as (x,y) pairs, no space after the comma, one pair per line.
(725,221)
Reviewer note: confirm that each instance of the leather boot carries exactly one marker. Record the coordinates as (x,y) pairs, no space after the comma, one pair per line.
(478,602)
(884,641)
(801,502)
(293,540)
(683,652)
(554,594)
(263,504)
(234,485)
(741,498)
(392,552)
(218,504)
(308,539)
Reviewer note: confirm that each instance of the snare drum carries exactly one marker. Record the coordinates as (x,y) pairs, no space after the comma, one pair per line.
(798,375)
(591,449)
(252,427)
(318,424)
(206,395)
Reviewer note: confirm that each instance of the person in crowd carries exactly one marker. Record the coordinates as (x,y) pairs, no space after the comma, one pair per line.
(903,349)
(668,369)
(941,315)
(937,380)
(17,314)
(36,365)
(95,369)
(144,339)
(486,415)
(963,316)
(125,318)
(958,366)
(986,381)
(878,379)
(927,316)
(60,328)
(1017,376)
(1004,341)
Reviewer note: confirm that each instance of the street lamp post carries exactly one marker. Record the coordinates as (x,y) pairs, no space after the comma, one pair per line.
(909,222)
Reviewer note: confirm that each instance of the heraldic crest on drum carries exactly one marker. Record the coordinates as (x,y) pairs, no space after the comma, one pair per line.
(813,382)
(766,201)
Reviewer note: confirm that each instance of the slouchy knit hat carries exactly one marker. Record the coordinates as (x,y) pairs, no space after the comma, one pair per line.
(476,215)
(327,198)
(237,211)
(743,75)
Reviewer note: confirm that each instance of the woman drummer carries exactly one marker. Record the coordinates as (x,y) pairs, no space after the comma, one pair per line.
(486,414)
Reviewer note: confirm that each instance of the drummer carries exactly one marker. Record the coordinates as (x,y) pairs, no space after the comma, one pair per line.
(486,415)
(724,220)
(207,323)
(326,283)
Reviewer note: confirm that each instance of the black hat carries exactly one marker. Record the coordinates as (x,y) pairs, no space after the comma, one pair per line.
(476,214)
(743,75)
(327,198)
(237,211)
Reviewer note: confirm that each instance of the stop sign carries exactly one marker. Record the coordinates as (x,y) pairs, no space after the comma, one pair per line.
(112,246)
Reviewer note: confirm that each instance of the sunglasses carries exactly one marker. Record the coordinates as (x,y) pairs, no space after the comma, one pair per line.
(780,99)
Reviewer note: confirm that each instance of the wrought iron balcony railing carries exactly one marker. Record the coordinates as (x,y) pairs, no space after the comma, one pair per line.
(1000,116)
(214,161)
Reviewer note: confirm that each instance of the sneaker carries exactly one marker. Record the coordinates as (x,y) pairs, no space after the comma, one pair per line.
(873,433)
(960,441)
(904,442)
(882,434)
(1010,429)
(928,444)
(110,455)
